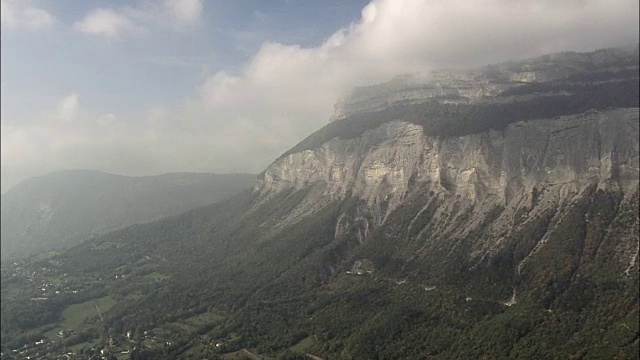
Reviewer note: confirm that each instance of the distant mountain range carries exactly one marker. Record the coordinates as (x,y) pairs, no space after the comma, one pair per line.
(483,214)
(62,209)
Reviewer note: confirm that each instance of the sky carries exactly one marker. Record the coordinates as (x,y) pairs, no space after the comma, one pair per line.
(154,86)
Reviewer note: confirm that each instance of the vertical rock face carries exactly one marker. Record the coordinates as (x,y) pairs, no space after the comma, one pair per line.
(520,191)
(502,225)
(386,163)
(507,188)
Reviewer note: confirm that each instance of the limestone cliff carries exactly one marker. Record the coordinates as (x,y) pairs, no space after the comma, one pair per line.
(486,84)
(386,163)
(483,189)
(492,223)
(435,203)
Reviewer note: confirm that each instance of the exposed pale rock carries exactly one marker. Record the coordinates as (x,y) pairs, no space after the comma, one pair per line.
(473,197)
(568,153)
(482,84)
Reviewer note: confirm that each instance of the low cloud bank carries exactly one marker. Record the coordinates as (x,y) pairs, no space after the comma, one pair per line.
(240,122)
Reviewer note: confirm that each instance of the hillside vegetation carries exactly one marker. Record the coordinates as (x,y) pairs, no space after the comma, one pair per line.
(65,208)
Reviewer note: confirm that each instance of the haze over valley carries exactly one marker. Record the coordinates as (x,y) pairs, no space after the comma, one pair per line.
(452,180)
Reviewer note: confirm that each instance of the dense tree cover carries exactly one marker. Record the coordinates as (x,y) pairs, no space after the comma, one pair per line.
(248,274)
(570,299)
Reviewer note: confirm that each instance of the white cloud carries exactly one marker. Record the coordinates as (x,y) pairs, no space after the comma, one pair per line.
(107,120)
(239,122)
(287,91)
(68,107)
(111,24)
(21,15)
(7,14)
(57,141)
(184,11)
(37,18)
(104,22)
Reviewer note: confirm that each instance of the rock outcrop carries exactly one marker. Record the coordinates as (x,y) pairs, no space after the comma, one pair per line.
(484,189)
(486,83)
(597,147)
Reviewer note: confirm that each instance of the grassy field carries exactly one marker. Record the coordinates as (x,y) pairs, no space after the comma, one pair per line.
(191,324)
(74,315)
(303,344)
(157,276)
(83,345)
(204,319)
(46,255)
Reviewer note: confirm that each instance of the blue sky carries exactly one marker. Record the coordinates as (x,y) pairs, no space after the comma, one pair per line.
(159,67)
(154,86)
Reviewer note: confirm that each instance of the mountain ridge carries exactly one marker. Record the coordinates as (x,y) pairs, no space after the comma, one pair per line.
(66,207)
(402,155)
(488,83)
(403,236)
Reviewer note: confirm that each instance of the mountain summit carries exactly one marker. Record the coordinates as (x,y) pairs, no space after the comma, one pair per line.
(491,213)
